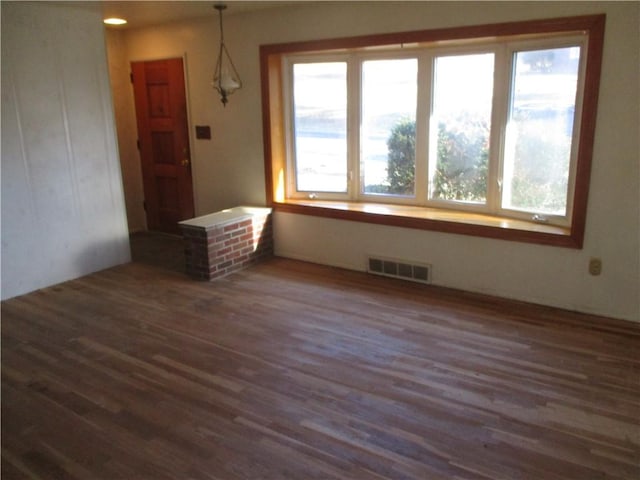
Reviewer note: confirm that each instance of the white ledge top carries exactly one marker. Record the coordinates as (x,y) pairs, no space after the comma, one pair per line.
(223,217)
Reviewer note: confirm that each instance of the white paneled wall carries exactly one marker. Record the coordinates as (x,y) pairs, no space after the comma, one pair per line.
(127,129)
(63,213)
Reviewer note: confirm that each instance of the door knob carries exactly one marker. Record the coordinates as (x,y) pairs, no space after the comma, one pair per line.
(185,159)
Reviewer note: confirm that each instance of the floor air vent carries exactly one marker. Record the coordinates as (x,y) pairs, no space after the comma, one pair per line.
(399,269)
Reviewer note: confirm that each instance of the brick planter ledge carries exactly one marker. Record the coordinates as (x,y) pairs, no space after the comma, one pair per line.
(226,241)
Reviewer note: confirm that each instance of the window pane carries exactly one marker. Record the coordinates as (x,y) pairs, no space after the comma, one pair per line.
(320,126)
(387,142)
(539,132)
(461,121)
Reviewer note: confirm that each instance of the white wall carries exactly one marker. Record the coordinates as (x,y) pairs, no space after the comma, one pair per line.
(124,111)
(62,202)
(228,170)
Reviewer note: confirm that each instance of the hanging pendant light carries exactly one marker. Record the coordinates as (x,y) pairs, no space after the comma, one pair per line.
(225,78)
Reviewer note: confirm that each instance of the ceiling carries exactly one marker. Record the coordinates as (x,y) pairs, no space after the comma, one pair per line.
(144,13)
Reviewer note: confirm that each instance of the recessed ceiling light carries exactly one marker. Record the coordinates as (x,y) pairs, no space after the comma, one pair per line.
(115,21)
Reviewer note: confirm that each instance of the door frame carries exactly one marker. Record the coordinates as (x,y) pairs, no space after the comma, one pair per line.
(190,132)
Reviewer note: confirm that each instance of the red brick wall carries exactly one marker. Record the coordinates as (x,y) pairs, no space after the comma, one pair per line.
(218,250)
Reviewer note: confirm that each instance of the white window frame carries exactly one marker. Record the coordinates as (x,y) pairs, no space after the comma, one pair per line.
(291,180)
(504,52)
(488,206)
(398,54)
(528,45)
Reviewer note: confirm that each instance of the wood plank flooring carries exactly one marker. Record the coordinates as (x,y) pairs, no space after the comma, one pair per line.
(296,371)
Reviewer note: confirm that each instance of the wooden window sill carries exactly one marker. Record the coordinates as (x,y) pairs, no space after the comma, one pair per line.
(440,220)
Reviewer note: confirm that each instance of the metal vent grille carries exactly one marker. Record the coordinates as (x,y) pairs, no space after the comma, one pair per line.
(406,270)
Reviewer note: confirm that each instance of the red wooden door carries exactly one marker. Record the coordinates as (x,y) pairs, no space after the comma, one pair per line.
(163,135)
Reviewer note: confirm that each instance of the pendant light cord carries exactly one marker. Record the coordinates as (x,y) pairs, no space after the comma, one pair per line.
(221,30)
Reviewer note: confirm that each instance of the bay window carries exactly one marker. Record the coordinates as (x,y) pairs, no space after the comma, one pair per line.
(490,132)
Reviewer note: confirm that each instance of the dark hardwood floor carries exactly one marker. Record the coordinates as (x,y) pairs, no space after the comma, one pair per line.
(161,250)
(297,371)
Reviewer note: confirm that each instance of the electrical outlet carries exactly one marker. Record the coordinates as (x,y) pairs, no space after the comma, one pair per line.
(595,266)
